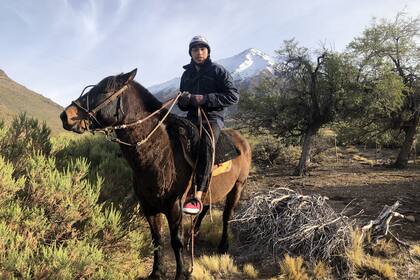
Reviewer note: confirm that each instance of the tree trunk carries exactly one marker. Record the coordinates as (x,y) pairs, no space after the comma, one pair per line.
(302,168)
(410,133)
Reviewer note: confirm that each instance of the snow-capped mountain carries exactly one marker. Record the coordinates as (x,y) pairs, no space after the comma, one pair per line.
(244,67)
(248,64)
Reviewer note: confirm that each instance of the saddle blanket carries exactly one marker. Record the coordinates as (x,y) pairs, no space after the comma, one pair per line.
(221,168)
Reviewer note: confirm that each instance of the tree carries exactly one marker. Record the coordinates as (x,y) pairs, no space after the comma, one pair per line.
(389,60)
(306,92)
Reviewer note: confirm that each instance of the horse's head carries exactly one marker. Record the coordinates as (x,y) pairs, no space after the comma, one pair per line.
(99,107)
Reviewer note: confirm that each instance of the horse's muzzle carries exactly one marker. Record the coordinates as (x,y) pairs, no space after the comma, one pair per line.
(71,124)
(64,120)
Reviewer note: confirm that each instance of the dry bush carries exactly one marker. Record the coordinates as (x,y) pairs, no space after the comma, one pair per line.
(283,220)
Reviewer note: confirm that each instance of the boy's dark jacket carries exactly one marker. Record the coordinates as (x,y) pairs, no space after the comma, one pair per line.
(215,83)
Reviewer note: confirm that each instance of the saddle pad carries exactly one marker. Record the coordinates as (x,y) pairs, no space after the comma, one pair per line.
(221,168)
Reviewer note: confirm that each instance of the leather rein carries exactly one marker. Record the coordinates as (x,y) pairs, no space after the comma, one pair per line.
(108,129)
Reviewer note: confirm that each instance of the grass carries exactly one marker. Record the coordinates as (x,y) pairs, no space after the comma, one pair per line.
(250,272)
(211,230)
(355,252)
(415,251)
(214,267)
(363,160)
(365,265)
(385,248)
(321,271)
(292,268)
(373,265)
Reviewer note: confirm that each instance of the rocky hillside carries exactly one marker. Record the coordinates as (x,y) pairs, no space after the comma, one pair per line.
(15,99)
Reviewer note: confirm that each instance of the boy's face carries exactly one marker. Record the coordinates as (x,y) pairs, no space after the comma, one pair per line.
(199,54)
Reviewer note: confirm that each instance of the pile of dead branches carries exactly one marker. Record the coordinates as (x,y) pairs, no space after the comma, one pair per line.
(284,221)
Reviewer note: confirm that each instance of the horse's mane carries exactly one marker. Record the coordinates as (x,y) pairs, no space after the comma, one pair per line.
(152,104)
(150,101)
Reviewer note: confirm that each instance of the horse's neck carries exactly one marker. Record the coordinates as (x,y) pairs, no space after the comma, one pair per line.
(153,156)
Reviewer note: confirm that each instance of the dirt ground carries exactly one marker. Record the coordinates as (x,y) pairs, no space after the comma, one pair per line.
(357,182)
(354,179)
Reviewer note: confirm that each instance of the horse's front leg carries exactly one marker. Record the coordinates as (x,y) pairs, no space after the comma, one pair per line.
(177,235)
(155,223)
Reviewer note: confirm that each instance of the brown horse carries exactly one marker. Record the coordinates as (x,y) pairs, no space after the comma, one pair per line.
(161,173)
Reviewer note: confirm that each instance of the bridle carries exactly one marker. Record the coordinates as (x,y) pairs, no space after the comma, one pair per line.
(108,129)
(92,112)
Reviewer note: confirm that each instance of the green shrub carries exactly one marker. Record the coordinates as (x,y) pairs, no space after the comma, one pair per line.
(105,161)
(52,226)
(24,137)
(269,151)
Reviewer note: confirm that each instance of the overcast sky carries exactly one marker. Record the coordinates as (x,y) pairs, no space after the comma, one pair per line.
(56,47)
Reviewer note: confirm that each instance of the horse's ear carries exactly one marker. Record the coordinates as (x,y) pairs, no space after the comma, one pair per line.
(132,75)
(127,77)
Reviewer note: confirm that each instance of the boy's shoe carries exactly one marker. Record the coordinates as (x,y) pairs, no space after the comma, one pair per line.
(192,206)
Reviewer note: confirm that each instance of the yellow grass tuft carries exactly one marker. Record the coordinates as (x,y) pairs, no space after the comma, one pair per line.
(293,269)
(214,267)
(364,264)
(327,132)
(200,273)
(415,251)
(250,271)
(355,251)
(379,267)
(321,271)
(385,248)
(362,159)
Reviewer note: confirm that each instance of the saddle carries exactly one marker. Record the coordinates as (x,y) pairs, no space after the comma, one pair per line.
(188,135)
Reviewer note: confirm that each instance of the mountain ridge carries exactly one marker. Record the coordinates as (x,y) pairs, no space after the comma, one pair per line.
(16,98)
